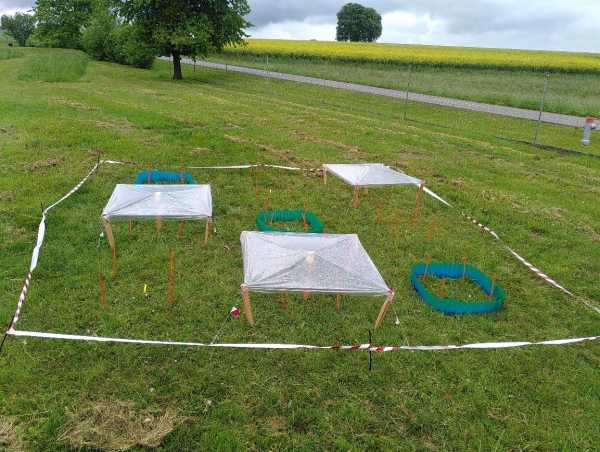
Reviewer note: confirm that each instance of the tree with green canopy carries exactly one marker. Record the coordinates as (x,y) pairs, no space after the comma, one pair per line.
(20,26)
(358,23)
(60,22)
(192,28)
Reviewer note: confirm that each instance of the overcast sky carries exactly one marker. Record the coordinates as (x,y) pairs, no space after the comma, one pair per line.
(529,24)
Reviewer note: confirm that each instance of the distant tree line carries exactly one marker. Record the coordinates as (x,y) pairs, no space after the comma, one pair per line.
(133,32)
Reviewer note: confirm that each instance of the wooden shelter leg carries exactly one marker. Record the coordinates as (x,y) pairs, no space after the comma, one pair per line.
(338,302)
(158,224)
(111,241)
(325,176)
(207,230)
(384,309)
(247,306)
(102,289)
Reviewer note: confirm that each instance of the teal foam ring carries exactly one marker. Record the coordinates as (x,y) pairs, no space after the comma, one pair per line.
(287,216)
(168,177)
(455,271)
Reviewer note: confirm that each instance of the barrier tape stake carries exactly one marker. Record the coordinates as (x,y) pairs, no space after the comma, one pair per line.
(370,353)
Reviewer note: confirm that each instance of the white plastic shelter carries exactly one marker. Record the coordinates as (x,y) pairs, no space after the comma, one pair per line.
(309,263)
(367,175)
(370,174)
(169,202)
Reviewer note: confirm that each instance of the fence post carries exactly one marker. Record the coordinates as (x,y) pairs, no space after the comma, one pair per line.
(537,128)
(407,91)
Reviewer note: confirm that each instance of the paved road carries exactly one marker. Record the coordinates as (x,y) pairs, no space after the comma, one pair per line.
(551,118)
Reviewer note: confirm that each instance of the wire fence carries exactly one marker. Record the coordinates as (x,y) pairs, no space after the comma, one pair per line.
(545,110)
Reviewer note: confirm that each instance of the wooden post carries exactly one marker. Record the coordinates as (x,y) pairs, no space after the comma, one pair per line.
(207,230)
(180,229)
(171,278)
(102,289)
(338,302)
(355,196)
(418,202)
(247,306)
(384,309)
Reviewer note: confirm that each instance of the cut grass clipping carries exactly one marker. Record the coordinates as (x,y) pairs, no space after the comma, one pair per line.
(59,66)
(117,425)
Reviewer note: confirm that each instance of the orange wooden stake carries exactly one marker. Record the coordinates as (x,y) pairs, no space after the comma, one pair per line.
(338,302)
(442,290)
(304,222)
(102,289)
(180,229)
(171,278)
(491,294)
(427,261)
(114,262)
(355,197)
(431,229)
(418,202)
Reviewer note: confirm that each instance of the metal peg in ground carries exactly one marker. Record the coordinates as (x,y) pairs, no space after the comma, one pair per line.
(587,130)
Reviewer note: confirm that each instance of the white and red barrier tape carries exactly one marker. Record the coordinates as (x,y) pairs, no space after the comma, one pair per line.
(369,347)
(267,346)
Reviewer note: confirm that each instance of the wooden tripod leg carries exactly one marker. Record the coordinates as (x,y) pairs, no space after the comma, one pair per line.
(247,306)
(207,230)
(384,309)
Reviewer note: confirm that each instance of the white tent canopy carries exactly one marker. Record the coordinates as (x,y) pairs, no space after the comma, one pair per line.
(178,202)
(303,262)
(370,174)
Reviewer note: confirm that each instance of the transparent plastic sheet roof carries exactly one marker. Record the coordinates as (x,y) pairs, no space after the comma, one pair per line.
(370,174)
(326,263)
(178,202)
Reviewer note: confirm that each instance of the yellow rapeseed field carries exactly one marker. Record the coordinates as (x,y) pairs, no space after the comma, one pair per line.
(425,55)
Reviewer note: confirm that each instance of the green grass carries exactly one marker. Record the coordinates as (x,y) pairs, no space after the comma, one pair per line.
(55,66)
(576,94)
(7,53)
(542,203)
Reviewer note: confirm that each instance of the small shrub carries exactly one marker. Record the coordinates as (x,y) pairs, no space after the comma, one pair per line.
(55,66)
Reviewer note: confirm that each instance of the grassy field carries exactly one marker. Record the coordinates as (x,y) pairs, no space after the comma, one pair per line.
(437,56)
(58,395)
(577,94)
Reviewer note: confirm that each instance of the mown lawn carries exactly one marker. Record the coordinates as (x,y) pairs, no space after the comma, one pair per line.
(544,204)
